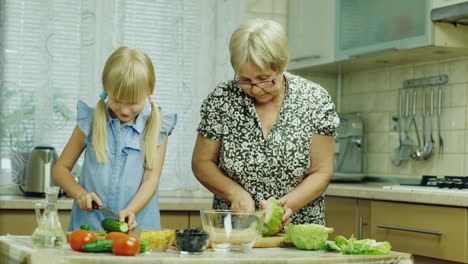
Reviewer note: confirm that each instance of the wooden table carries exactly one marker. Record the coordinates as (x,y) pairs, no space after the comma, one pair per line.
(18,249)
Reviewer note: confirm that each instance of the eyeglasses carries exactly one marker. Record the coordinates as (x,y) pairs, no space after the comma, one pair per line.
(261,85)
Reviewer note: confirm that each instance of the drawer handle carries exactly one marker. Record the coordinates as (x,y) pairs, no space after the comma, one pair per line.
(410,230)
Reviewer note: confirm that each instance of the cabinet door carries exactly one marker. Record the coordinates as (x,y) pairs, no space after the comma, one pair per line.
(175,219)
(425,230)
(369,26)
(443,3)
(341,214)
(23,222)
(311,32)
(195,220)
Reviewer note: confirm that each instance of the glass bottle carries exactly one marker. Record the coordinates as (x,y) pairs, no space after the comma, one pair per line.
(49,232)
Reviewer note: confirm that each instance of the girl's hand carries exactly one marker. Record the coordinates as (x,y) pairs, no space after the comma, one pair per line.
(287,211)
(243,202)
(127,215)
(85,201)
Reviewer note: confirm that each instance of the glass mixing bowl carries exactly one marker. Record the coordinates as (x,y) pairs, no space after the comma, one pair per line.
(232,230)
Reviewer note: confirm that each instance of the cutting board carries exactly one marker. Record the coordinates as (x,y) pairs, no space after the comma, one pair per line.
(273,241)
(262,242)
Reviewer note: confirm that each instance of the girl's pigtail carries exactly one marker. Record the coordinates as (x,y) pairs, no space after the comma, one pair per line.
(151,137)
(99,135)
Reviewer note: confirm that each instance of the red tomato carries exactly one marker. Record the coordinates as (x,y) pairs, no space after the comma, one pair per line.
(80,237)
(115,235)
(126,246)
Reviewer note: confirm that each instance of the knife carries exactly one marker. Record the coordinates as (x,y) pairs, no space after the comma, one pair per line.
(103,209)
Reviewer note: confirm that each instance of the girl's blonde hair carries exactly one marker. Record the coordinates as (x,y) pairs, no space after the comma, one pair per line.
(262,42)
(128,75)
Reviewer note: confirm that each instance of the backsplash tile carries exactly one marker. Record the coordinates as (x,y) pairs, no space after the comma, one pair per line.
(374,93)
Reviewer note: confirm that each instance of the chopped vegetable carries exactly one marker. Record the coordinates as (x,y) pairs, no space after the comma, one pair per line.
(85,227)
(102,232)
(354,246)
(158,239)
(112,225)
(273,217)
(309,236)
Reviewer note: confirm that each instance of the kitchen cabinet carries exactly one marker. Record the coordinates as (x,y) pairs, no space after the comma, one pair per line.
(311,27)
(427,230)
(443,3)
(23,222)
(370,26)
(348,216)
(353,35)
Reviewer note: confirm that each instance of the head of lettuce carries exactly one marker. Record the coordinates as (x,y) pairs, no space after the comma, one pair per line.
(309,236)
(273,217)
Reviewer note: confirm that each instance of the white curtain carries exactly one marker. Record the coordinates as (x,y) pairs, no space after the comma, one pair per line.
(53,52)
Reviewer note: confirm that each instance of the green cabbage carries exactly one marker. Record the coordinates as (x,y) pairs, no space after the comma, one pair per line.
(354,246)
(309,236)
(273,217)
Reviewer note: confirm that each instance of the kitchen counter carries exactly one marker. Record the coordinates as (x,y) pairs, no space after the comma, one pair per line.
(18,249)
(183,200)
(168,201)
(375,191)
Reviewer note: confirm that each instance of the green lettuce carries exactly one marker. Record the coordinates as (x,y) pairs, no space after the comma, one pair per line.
(309,236)
(354,246)
(273,217)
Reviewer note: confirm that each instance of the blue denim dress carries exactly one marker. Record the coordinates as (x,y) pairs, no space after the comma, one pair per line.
(117,181)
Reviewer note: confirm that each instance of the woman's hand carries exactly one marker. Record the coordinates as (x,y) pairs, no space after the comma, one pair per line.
(243,202)
(85,200)
(127,215)
(287,211)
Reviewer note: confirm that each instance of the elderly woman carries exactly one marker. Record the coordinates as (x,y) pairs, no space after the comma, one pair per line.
(266,132)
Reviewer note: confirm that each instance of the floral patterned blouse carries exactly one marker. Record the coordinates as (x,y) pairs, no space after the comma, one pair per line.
(274,165)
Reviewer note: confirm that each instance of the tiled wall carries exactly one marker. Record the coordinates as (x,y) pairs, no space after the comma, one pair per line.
(270,9)
(374,93)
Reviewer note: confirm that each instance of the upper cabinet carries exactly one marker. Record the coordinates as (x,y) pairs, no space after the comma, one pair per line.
(370,26)
(443,3)
(311,32)
(347,35)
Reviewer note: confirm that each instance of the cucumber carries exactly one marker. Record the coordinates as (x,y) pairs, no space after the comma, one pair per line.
(144,246)
(112,225)
(102,245)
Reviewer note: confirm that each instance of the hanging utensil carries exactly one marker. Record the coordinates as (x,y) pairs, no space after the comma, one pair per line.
(407,146)
(423,105)
(429,147)
(439,110)
(418,154)
(396,161)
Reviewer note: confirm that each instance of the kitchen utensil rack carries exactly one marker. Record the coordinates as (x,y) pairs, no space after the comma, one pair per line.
(407,99)
(426,81)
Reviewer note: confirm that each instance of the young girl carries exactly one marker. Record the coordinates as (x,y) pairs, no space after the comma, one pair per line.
(125,142)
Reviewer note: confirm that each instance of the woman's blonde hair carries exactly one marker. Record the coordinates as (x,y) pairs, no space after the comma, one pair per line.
(262,42)
(128,75)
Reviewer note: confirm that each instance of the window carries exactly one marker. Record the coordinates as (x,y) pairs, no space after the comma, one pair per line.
(53,53)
